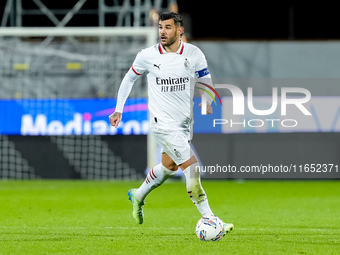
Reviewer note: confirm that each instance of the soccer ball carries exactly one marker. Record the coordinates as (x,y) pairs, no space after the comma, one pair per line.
(210,229)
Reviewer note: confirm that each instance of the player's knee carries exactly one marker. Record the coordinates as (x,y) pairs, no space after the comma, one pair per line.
(168,163)
(172,167)
(192,163)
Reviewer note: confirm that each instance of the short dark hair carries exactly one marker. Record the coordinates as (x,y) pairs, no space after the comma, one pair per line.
(172,15)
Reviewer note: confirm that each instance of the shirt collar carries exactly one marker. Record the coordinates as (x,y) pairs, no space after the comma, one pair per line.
(163,51)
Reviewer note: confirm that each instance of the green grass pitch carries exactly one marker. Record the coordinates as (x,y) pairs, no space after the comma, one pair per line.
(94,217)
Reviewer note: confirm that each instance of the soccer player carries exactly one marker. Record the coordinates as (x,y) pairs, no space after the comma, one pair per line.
(171,66)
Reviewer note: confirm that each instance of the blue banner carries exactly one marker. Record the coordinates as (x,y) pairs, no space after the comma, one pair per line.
(90,116)
(71,117)
(84,117)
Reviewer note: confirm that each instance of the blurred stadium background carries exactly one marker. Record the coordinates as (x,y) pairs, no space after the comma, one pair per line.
(61,64)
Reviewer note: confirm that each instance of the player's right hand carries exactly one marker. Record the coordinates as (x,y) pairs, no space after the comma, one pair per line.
(115,119)
(209,108)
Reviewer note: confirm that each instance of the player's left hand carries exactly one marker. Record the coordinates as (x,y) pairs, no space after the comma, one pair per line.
(209,108)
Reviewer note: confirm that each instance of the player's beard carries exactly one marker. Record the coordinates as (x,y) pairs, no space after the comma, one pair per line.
(170,41)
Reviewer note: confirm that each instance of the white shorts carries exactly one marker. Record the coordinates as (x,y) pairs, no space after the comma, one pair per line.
(175,143)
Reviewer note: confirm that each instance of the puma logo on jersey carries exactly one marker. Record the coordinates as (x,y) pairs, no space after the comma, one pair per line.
(158,66)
